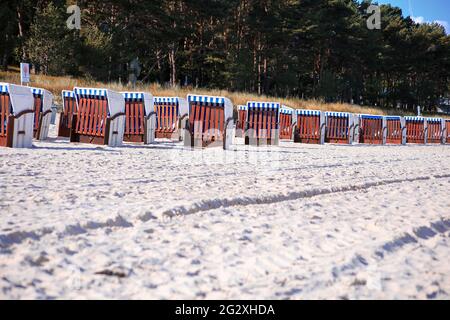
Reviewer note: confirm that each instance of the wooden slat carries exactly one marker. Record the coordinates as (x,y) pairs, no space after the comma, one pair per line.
(447,125)
(434,132)
(394,132)
(242,119)
(371,131)
(3,117)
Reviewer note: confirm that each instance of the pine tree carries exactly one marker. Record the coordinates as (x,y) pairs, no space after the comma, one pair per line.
(51,46)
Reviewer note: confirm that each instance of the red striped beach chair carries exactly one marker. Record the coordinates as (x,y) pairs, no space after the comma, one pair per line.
(263,123)
(242,119)
(100,118)
(372,129)
(69,109)
(395,130)
(171,115)
(140,117)
(340,128)
(288,120)
(16,116)
(415,129)
(435,130)
(210,122)
(310,127)
(43,101)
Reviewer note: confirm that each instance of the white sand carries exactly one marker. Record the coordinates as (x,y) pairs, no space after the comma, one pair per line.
(162,222)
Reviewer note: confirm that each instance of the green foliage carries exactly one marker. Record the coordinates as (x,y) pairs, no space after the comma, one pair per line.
(50,45)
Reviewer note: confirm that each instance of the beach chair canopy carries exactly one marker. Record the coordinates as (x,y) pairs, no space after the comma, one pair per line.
(337,114)
(68,94)
(263,105)
(370,117)
(415,119)
(289,111)
(308,113)
(147,98)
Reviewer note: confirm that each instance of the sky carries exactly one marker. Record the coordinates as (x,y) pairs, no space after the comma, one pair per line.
(424,10)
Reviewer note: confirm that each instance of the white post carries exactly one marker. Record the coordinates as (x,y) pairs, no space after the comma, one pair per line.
(354,123)
(384,130)
(229,135)
(444,131)
(425,130)
(322,127)
(403,128)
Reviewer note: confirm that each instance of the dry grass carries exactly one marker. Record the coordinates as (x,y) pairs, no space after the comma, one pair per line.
(57,84)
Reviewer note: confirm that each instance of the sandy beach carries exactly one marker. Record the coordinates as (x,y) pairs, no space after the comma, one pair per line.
(163,222)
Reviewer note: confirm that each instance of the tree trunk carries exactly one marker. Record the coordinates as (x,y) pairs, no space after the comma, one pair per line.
(21,28)
(173,67)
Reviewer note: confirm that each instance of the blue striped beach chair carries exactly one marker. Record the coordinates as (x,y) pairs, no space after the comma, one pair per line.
(263,123)
(69,109)
(242,119)
(100,118)
(16,116)
(210,121)
(171,113)
(310,127)
(288,119)
(140,117)
(395,130)
(372,129)
(340,128)
(415,130)
(435,130)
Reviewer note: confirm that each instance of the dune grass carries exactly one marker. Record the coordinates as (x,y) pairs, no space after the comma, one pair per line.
(57,84)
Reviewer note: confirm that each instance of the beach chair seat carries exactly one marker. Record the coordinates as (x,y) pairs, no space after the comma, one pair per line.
(372,129)
(435,130)
(43,102)
(288,120)
(395,130)
(69,109)
(415,130)
(16,116)
(263,123)
(100,118)
(340,128)
(210,122)
(242,118)
(310,127)
(140,117)
(171,113)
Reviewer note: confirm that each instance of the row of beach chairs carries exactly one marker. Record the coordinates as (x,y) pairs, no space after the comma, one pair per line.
(97,116)
(105,117)
(319,127)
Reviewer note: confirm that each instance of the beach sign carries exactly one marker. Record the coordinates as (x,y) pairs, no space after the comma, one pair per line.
(24,73)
